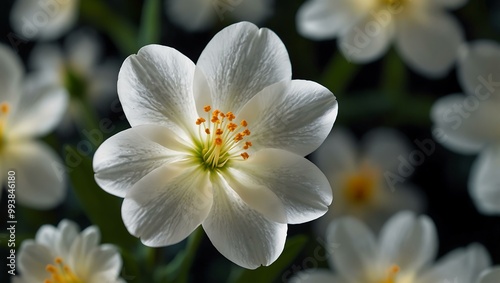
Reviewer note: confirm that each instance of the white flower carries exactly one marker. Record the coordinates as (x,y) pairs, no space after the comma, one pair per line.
(490,276)
(219,143)
(195,15)
(425,35)
(26,113)
(44,19)
(403,253)
(359,177)
(470,123)
(78,70)
(63,254)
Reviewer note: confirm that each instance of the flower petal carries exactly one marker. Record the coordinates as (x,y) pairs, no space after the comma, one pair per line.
(84,50)
(339,153)
(316,276)
(366,41)
(302,188)
(80,248)
(125,158)
(383,147)
(40,180)
(192,15)
(164,207)
(463,264)
(40,110)
(408,241)
(490,276)
(323,19)
(105,263)
(33,260)
(155,87)
(484,184)
(254,11)
(295,116)
(11,73)
(43,20)
(466,123)
(356,251)
(240,61)
(240,233)
(479,68)
(429,45)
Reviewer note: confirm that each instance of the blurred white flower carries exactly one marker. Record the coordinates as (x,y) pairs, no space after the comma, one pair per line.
(63,254)
(491,275)
(470,123)
(425,35)
(196,15)
(219,143)
(27,112)
(43,19)
(403,253)
(78,70)
(358,177)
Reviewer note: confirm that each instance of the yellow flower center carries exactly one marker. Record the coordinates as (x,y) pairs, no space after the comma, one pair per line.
(221,138)
(4,111)
(61,273)
(360,187)
(392,272)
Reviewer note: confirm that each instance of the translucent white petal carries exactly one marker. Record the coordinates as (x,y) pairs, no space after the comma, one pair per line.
(490,276)
(192,15)
(466,123)
(484,184)
(155,87)
(254,11)
(41,183)
(128,156)
(33,259)
(367,40)
(463,265)
(11,73)
(105,264)
(384,146)
(429,45)
(80,248)
(355,251)
(295,116)
(84,50)
(43,19)
(408,241)
(48,58)
(339,153)
(302,188)
(40,110)
(239,62)
(164,207)
(240,233)
(479,68)
(68,231)
(46,236)
(323,19)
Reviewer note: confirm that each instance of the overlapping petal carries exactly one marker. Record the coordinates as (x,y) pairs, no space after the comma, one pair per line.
(156,87)
(260,51)
(273,119)
(302,188)
(484,181)
(125,158)
(164,207)
(430,44)
(11,73)
(239,232)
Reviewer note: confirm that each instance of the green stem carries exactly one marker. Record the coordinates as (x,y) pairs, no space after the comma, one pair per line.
(338,74)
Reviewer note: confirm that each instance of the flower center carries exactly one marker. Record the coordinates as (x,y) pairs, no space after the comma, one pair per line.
(61,273)
(221,138)
(4,111)
(392,272)
(360,187)
(394,4)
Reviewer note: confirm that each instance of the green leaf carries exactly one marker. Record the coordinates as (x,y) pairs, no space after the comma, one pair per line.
(120,30)
(103,209)
(270,273)
(149,31)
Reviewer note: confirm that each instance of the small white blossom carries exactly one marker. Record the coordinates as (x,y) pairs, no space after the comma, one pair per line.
(218,144)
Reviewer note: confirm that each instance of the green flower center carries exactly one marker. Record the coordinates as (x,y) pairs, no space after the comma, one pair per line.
(221,139)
